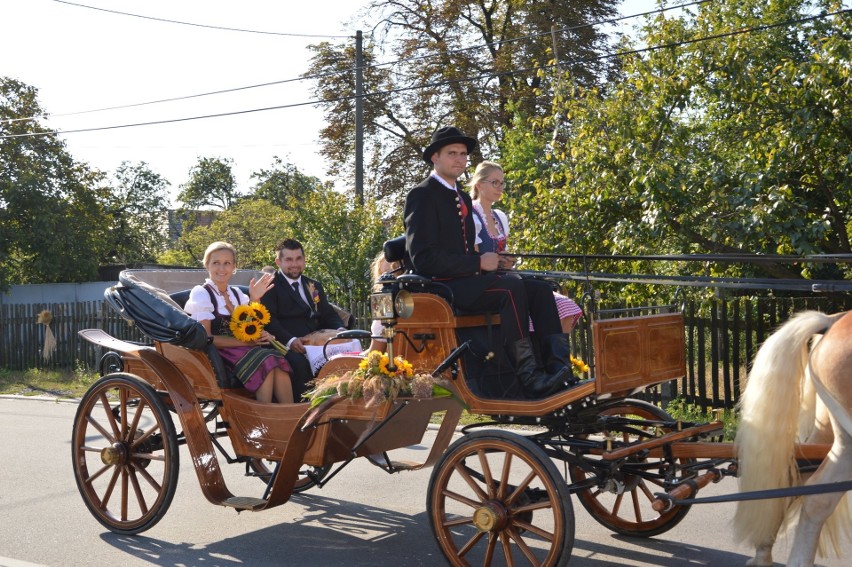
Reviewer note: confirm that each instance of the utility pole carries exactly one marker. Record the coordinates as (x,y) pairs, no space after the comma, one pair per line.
(359,119)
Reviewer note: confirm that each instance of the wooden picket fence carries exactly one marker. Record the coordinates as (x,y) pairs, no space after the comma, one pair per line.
(22,338)
(722,337)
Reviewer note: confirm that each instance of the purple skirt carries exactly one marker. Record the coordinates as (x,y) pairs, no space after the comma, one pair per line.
(252,364)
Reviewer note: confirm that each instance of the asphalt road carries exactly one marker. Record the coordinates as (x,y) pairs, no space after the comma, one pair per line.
(362,517)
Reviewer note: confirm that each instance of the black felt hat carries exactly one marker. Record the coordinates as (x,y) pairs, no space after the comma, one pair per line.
(446,136)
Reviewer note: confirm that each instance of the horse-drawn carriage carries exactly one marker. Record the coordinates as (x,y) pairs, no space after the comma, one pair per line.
(496,495)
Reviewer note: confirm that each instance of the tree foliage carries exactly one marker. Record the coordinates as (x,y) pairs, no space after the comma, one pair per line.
(253,226)
(52,224)
(742,143)
(461,62)
(340,240)
(283,183)
(211,185)
(138,205)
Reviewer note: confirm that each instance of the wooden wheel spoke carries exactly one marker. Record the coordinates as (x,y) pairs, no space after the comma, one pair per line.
(140,498)
(616,506)
(489,549)
(506,542)
(134,426)
(122,396)
(460,521)
(110,417)
(110,487)
(541,505)
(462,469)
(637,508)
(148,478)
(643,486)
(145,435)
(149,457)
(125,494)
(471,543)
(111,437)
(522,545)
(521,487)
(460,498)
(93,477)
(486,472)
(504,476)
(545,535)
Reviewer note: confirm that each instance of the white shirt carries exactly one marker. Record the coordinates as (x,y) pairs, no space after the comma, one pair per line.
(301,287)
(199,307)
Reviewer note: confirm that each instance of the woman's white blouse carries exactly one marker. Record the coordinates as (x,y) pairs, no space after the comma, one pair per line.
(503,224)
(199,307)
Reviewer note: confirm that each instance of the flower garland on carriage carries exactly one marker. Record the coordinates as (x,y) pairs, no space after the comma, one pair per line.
(376,381)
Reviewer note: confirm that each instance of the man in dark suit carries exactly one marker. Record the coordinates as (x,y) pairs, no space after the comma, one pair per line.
(298,307)
(440,237)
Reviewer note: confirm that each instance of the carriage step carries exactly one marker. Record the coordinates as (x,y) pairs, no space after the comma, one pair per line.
(244,502)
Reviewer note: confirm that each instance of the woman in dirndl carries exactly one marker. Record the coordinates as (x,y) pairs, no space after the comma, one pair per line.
(261,369)
(492,231)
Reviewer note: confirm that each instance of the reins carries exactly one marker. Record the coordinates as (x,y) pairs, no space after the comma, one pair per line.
(824,488)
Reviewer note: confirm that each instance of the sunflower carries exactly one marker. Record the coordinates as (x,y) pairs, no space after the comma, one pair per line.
(260,312)
(248,332)
(579,365)
(373,382)
(241,314)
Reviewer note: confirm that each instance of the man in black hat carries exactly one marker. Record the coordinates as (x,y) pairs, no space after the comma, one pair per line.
(439,238)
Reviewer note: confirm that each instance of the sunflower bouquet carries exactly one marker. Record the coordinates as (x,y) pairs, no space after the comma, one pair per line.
(247,322)
(377,381)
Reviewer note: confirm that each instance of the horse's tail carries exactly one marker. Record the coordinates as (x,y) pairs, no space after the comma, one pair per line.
(766,434)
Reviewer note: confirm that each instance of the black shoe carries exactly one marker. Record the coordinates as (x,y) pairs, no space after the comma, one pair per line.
(536,382)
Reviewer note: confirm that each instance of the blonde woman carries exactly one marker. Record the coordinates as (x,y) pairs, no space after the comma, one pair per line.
(262,370)
(492,230)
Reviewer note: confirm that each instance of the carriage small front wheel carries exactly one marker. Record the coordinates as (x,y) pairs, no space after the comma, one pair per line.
(495,498)
(125,453)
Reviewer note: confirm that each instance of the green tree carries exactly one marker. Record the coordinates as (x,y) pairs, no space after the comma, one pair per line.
(461,62)
(52,223)
(253,226)
(139,206)
(735,144)
(282,183)
(340,240)
(211,185)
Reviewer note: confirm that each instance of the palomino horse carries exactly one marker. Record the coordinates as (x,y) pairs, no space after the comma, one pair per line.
(793,396)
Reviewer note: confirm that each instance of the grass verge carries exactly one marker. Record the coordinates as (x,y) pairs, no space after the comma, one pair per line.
(40,382)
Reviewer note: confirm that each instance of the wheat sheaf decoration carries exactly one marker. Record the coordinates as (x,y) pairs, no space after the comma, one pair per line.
(45,317)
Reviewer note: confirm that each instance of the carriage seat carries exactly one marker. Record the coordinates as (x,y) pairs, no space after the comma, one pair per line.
(394,251)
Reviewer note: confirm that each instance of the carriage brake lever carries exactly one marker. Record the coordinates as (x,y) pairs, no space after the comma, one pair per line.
(451,359)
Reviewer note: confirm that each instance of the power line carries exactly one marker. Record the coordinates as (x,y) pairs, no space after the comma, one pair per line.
(622,53)
(331,73)
(221,28)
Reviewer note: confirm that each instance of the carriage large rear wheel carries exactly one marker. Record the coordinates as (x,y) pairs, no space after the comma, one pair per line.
(495,498)
(125,453)
(622,501)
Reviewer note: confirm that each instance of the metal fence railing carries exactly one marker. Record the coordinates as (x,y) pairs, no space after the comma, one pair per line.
(722,332)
